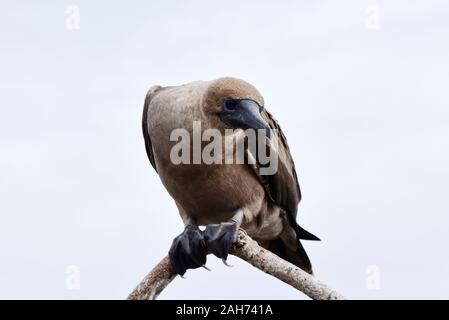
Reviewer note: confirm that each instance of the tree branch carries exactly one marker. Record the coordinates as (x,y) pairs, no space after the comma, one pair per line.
(249,250)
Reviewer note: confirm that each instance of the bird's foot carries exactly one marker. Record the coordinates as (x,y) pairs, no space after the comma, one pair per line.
(188,250)
(221,237)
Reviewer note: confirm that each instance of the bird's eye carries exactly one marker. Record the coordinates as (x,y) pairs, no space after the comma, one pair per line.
(230,104)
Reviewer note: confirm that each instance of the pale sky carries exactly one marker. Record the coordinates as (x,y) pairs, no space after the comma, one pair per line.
(360,89)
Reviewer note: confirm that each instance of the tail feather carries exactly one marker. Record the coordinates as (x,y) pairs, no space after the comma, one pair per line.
(298,256)
(306,235)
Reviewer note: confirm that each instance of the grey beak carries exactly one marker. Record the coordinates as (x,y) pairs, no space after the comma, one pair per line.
(245,115)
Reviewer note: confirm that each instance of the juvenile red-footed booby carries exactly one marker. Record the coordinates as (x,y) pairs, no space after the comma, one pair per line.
(223,196)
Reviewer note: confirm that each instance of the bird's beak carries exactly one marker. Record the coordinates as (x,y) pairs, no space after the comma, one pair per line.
(246,115)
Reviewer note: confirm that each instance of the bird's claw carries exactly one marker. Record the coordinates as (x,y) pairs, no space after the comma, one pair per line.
(188,250)
(220,238)
(205,267)
(226,263)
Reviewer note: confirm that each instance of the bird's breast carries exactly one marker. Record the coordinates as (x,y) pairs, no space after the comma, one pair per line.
(209,192)
(212,193)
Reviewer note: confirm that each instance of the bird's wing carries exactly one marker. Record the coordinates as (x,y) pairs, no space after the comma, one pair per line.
(283,187)
(146,135)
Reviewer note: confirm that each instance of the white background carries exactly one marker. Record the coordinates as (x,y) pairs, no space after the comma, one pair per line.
(364,105)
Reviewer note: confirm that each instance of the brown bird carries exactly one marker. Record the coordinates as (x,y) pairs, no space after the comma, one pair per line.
(223,196)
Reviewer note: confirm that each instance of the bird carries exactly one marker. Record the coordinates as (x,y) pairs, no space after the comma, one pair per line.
(223,197)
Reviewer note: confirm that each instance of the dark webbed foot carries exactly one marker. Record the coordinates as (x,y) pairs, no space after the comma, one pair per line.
(188,250)
(220,238)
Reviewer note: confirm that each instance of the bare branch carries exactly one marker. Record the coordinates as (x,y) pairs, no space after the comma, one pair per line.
(250,251)
(156,281)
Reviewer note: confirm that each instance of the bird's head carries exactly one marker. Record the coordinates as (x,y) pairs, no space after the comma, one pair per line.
(234,103)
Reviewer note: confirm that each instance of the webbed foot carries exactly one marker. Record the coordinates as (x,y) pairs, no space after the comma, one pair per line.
(220,238)
(188,250)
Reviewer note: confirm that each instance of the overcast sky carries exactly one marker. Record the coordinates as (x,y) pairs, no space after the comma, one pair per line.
(360,89)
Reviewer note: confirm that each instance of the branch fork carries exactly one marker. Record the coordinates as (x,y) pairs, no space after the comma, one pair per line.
(249,250)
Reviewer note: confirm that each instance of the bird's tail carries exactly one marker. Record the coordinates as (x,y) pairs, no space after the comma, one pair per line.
(297,256)
(288,246)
